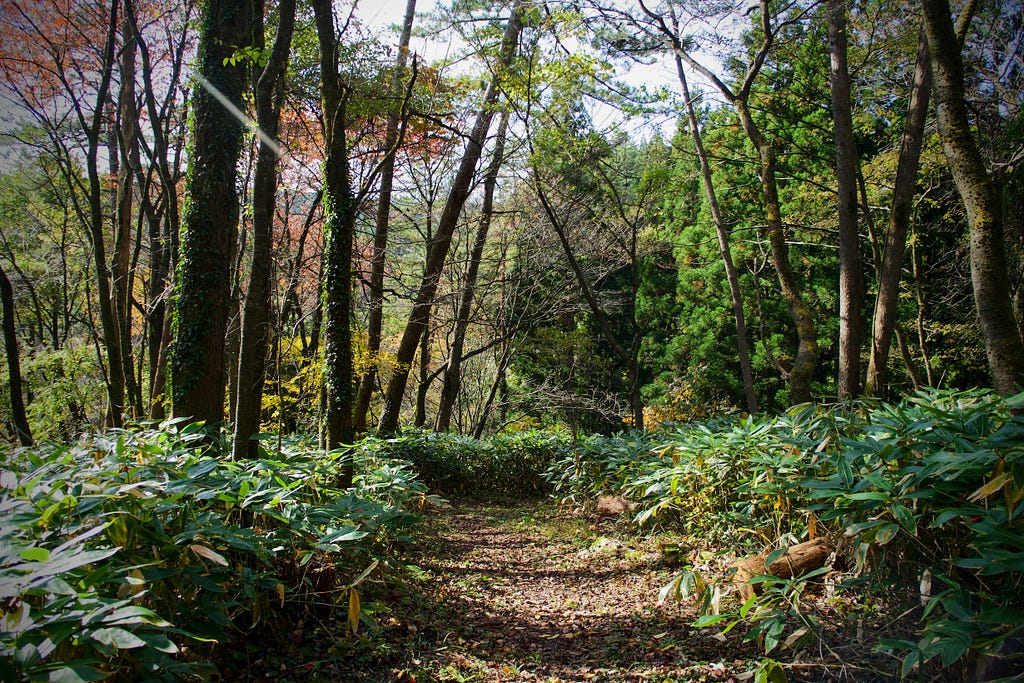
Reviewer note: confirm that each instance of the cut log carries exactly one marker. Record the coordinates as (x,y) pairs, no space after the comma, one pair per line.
(612,506)
(796,561)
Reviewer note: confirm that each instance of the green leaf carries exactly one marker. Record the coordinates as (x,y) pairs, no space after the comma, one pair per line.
(905,517)
(708,620)
(76,673)
(117,637)
(886,533)
(35,554)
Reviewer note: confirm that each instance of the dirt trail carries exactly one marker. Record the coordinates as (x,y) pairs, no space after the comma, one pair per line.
(526,594)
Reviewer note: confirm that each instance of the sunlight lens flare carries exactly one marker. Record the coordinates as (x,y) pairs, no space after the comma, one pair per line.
(240,115)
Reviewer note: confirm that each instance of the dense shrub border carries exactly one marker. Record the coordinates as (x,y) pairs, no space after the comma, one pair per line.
(135,553)
(929,490)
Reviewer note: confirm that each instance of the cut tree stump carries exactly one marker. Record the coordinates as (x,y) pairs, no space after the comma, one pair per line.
(796,561)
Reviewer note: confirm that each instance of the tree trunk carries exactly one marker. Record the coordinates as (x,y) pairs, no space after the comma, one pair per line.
(162,237)
(21,425)
(203,288)
(447,223)
(257,326)
(104,295)
(899,219)
(1003,344)
(423,385)
(731,276)
(802,370)
(338,233)
(806,362)
(380,235)
(851,274)
(453,373)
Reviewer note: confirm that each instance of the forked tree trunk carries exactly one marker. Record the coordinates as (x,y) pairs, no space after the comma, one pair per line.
(806,362)
(257,326)
(447,223)
(899,220)
(453,373)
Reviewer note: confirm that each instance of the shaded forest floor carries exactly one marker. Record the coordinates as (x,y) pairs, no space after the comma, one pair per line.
(526,592)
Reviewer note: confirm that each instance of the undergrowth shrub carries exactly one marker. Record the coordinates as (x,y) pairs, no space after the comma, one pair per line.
(503,466)
(928,491)
(135,553)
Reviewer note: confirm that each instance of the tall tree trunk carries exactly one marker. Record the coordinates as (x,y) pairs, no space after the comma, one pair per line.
(423,383)
(380,235)
(724,248)
(210,225)
(807,355)
(104,291)
(899,219)
(447,223)
(802,370)
(339,212)
(21,425)
(162,236)
(453,373)
(851,273)
(128,146)
(1003,344)
(257,326)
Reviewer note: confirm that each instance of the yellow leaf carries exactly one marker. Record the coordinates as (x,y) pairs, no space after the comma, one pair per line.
(812,527)
(208,554)
(994,486)
(353,609)
(280,594)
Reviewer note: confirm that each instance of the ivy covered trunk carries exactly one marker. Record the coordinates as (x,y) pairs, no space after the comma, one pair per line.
(210,222)
(339,223)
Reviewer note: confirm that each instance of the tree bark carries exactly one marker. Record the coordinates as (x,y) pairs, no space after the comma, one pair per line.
(851,273)
(128,148)
(807,355)
(380,235)
(1003,344)
(453,373)
(162,236)
(21,424)
(447,223)
(724,248)
(899,219)
(339,219)
(210,223)
(257,326)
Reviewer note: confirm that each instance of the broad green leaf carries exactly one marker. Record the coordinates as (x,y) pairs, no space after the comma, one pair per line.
(35,554)
(117,637)
(708,620)
(76,674)
(905,517)
(886,533)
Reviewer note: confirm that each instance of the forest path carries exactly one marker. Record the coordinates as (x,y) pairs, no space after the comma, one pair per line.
(528,593)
